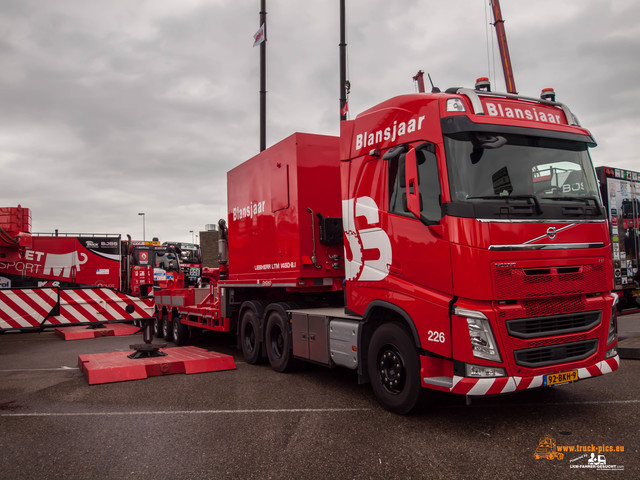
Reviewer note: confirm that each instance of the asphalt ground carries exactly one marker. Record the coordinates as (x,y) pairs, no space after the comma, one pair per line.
(313,423)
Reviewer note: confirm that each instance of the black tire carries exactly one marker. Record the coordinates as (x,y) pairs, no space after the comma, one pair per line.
(250,336)
(394,369)
(167,328)
(195,334)
(180,332)
(157,325)
(277,340)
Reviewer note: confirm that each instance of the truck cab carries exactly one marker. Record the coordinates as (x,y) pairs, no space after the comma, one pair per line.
(474,227)
(154,264)
(190,256)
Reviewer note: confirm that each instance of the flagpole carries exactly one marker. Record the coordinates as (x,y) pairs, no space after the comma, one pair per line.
(263,78)
(343,63)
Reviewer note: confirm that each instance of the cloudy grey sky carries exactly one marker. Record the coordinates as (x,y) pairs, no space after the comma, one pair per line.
(110,108)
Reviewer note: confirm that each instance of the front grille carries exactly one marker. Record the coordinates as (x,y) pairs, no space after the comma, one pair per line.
(564,353)
(533,283)
(552,325)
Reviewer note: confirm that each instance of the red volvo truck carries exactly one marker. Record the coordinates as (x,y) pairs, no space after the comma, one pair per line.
(451,241)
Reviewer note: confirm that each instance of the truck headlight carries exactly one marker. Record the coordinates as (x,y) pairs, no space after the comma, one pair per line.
(613,322)
(482,340)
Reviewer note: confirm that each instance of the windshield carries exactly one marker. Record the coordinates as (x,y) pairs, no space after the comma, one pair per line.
(189,256)
(166,261)
(520,169)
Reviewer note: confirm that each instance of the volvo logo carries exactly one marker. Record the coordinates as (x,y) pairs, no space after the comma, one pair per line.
(551,233)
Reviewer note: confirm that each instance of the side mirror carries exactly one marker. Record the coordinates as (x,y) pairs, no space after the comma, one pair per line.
(411,179)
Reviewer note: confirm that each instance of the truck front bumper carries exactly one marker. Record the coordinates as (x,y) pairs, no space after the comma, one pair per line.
(497,385)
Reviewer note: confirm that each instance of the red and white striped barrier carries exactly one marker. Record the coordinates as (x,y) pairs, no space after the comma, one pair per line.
(100,305)
(29,308)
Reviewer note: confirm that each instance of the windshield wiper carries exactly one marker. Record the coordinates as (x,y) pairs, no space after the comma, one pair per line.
(584,200)
(536,202)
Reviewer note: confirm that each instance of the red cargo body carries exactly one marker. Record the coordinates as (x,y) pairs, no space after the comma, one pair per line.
(273,202)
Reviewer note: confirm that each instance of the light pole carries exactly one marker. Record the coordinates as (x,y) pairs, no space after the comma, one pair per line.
(143,226)
(192,238)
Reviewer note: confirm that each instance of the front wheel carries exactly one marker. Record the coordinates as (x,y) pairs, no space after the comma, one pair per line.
(278,341)
(394,369)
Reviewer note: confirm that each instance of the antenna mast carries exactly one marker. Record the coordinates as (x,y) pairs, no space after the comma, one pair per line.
(344,84)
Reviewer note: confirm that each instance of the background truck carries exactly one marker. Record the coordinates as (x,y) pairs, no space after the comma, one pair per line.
(149,264)
(190,261)
(621,195)
(66,279)
(452,241)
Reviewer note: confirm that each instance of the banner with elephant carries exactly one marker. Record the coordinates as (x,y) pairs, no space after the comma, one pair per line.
(65,261)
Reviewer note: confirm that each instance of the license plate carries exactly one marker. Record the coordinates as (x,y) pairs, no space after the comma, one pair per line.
(558,378)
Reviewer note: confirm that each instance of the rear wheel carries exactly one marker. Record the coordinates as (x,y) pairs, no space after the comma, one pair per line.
(157,325)
(394,369)
(180,332)
(195,333)
(167,328)
(278,340)
(250,336)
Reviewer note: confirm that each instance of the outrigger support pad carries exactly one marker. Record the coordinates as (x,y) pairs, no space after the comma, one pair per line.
(147,349)
(95,326)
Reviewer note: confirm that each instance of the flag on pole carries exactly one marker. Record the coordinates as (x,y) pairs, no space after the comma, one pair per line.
(345,109)
(258,37)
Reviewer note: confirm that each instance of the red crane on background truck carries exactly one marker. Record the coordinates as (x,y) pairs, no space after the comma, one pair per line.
(451,241)
(71,279)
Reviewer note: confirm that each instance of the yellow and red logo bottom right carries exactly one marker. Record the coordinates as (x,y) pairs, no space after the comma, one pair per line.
(579,456)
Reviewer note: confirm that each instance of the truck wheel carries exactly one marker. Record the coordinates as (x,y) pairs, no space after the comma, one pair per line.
(250,336)
(167,328)
(157,326)
(278,341)
(180,332)
(394,369)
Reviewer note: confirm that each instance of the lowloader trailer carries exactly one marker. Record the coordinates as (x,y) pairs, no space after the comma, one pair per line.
(452,241)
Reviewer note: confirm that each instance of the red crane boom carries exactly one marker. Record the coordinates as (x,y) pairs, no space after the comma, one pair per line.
(504,48)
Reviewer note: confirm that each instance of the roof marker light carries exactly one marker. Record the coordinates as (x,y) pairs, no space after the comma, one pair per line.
(548,94)
(483,83)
